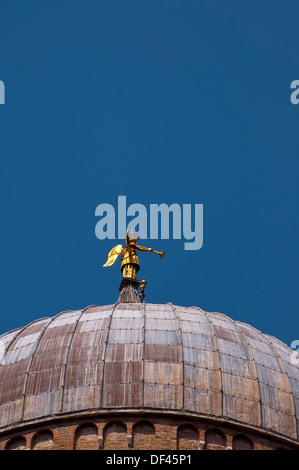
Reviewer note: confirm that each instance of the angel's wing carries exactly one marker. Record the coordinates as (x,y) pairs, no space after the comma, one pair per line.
(113,254)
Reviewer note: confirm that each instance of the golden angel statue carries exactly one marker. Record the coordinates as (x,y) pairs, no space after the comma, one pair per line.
(130,262)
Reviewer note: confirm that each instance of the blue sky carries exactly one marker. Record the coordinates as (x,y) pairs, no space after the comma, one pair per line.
(177,101)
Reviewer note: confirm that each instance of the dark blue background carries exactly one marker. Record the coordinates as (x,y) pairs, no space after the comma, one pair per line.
(161,101)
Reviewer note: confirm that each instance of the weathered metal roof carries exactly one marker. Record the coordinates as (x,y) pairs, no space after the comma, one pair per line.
(151,356)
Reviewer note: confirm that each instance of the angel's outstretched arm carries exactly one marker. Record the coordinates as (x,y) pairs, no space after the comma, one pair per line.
(142,248)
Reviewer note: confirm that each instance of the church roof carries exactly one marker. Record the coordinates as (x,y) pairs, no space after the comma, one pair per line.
(150,357)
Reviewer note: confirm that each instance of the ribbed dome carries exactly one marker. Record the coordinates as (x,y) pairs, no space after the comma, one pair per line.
(155,357)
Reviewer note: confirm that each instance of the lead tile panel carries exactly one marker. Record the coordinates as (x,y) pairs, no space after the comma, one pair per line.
(66,318)
(195,327)
(24,344)
(85,354)
(236,365)
(93,325)
(191,314)
(240,409)
(81,398)
(124,352)
(19,354)
(47,361)
(16,369)
(83,374)
(127,323)
(278,345)
(128,314)
(291,370)
(122,372)
(43,381)
(153,311)
(96,314)
(296,405)
(12,380)
(162,353)
(89,339)
(169,338)
(122,395)
(52,341)
(25,340)
(223,322)
(11,412)
(197,341)
(202,401)
(275,398)
(239,386)
(161,324)
(224,334)
(275,378)
(201,358)
(125,336)
(163,373)
(294,385)
(250,332)
(232,349)
(34,327)
(286,355)
(279,422)
(43,404)
(163,396)
(202,378)
(188,316)
(266,360)
(7,338)
(258,345)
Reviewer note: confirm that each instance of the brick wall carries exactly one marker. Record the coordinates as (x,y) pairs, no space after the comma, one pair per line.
(139,433)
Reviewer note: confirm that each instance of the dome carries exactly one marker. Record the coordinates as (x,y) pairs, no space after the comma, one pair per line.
(150,357)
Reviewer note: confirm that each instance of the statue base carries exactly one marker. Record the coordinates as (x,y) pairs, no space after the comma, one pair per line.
(129,290)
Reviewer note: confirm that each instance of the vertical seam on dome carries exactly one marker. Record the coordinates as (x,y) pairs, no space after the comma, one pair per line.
(282,371)
(20,330)
(105,350)
(30,364)
(182,352)
(253,366)
(143,355)
(288,381)
(218,357)
(64,366)
(14,338)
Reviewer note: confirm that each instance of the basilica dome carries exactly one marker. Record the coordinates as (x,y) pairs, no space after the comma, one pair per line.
(171,368)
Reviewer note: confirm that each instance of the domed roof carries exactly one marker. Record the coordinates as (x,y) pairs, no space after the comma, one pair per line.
(150,357)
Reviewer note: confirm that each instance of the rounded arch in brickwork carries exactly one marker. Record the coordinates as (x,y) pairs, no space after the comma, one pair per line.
(187,437)
(115,436)
(143,434)
(242,442)
(215,439)
(42,440)
(16,443)
(86,437)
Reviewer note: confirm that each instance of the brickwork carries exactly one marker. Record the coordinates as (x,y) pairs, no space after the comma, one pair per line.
(115,436)
(86,437)
(43,440)
(138,433)
(215,439)
(144,436)
(241,442)
(187,437)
